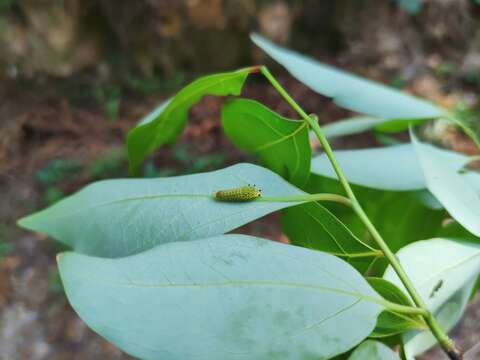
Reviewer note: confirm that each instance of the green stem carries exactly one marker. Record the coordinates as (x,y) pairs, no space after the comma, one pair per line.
(403,309)
(308,198)
(374,253)
(443,339)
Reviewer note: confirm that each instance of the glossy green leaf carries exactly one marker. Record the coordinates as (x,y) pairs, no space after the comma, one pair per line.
(281,144)
(467,120)
(116,218)
(348,90)
(166,122)
(453,230)
(373,350)
(386,168)
(398,125)
(231,297)
(313,226)
(400,217)
(456,192)
(155,113)
(475,289)
(390,323)
(443,272)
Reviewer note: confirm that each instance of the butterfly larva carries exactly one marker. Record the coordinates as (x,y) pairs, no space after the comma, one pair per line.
(243,193)
(435,289)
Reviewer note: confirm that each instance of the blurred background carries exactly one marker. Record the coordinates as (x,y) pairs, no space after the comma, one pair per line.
(76,75)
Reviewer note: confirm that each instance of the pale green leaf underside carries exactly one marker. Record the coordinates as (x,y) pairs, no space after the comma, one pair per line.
(281,144)
(348,90)
(359,124)
(115,218)
(427,262)
(398,168)
(452,188)
(167,121)
(231,297)
(386,168)
(373,350)
(350,126)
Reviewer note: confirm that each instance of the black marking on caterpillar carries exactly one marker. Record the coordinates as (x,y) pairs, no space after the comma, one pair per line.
(243,193)
(436,288)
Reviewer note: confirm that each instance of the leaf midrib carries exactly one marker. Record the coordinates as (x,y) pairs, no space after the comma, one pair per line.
(240,283)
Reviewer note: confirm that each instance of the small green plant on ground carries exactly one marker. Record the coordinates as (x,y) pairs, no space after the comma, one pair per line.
(5,247)
(108,165)
(384,253)
(110,98)
(52,174)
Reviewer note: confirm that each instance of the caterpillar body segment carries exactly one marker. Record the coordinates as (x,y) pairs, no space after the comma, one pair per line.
(243,193)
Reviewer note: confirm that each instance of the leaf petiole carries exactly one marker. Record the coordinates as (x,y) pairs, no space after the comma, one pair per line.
(308,198)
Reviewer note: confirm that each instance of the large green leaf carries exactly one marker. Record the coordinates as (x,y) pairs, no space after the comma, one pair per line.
(281,144)
(386,168)
(313,226)
(457,193)
(166,122)
(400,217)
(443,272)
(230,297)
(373,350)
(390,323)
(348,90)
(116,218)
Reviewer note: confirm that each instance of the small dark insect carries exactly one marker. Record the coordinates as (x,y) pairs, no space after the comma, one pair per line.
(243,193)
(436,288)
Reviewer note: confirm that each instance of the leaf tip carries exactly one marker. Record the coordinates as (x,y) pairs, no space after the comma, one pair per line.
(59,258)
(26,222)
(255,37)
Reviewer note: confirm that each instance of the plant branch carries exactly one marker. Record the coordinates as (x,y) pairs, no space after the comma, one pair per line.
(447,344)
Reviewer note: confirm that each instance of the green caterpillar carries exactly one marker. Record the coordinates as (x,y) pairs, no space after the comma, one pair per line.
(243,193)
(435,289)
